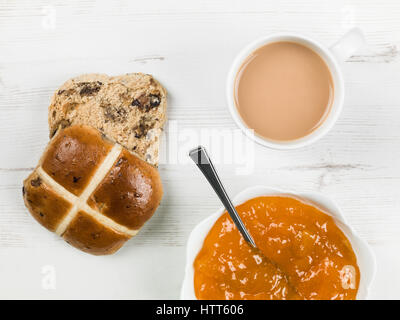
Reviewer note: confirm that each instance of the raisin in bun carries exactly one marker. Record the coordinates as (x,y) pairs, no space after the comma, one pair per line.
(129,109)
(92,192)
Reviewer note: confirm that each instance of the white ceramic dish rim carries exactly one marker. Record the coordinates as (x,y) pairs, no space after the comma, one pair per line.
(338,99)
(365,256)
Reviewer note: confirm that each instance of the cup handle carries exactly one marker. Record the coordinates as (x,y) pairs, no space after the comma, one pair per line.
(348,44)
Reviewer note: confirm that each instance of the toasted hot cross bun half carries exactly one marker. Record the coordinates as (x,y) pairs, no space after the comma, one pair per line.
(130,109)
(92,192)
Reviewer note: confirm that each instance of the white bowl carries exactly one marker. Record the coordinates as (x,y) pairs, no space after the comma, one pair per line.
(365,256)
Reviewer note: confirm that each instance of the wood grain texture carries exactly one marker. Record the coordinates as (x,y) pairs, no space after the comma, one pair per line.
(189,46)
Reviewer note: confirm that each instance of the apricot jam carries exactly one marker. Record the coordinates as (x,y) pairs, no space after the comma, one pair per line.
(302,254)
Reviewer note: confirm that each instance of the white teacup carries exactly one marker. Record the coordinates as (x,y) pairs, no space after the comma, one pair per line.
(340,51)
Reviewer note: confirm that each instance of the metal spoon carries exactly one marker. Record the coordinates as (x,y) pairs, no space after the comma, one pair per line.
(203,161)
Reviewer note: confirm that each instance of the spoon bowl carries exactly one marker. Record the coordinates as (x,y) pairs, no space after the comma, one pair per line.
(365,256)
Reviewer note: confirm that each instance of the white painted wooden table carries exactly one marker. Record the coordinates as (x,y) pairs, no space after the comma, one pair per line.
(189,46)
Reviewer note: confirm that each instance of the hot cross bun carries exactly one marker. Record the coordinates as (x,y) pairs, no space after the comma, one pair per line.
(92,192)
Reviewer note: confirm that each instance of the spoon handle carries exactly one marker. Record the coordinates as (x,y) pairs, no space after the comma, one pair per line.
(203,161)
